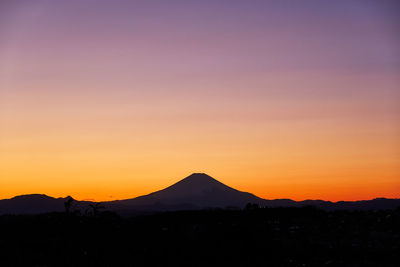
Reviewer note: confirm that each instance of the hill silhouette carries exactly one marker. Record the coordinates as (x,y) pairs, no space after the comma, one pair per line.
(37,203)
(31,204)
(197,191)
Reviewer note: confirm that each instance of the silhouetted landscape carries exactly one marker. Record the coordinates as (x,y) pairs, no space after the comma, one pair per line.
(106,107)
(198,222)
(196,192)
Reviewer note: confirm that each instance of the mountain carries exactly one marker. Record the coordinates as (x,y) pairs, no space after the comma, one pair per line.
(197,191)
(36,204)
(31,204)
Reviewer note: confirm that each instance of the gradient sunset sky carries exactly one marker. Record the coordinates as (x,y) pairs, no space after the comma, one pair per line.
(285,99)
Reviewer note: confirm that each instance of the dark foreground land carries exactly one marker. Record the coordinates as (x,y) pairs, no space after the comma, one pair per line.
(254,237)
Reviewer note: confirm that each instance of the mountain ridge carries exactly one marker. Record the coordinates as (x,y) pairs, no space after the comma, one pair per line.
(197,191)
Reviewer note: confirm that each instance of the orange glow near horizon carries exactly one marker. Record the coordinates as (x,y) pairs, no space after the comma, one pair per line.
(118,100)
(297,160)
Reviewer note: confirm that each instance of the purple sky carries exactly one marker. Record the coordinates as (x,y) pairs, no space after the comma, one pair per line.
(277,83)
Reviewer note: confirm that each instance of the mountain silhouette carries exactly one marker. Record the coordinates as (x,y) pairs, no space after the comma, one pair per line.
(197,191)
(31,204)
(36,204)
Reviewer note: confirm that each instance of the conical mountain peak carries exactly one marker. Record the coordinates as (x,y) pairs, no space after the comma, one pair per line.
(199,177)
(198,182)
(197,190)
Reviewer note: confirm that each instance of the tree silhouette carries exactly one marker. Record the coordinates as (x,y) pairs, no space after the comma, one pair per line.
(95,209)
(68,204)
(252,206)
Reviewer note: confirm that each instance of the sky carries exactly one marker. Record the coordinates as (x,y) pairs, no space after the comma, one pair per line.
(114,99)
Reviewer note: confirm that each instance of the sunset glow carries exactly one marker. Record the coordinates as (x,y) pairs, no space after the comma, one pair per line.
(110,100)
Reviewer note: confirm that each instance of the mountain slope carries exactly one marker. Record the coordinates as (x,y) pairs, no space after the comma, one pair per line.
(38,203)
(31,204)
(195,191)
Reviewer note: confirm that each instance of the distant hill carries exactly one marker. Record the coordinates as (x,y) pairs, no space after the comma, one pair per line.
(31,204)
(197,191)
(36,204)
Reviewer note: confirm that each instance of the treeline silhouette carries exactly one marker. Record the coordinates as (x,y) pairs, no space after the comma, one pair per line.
(253,236)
